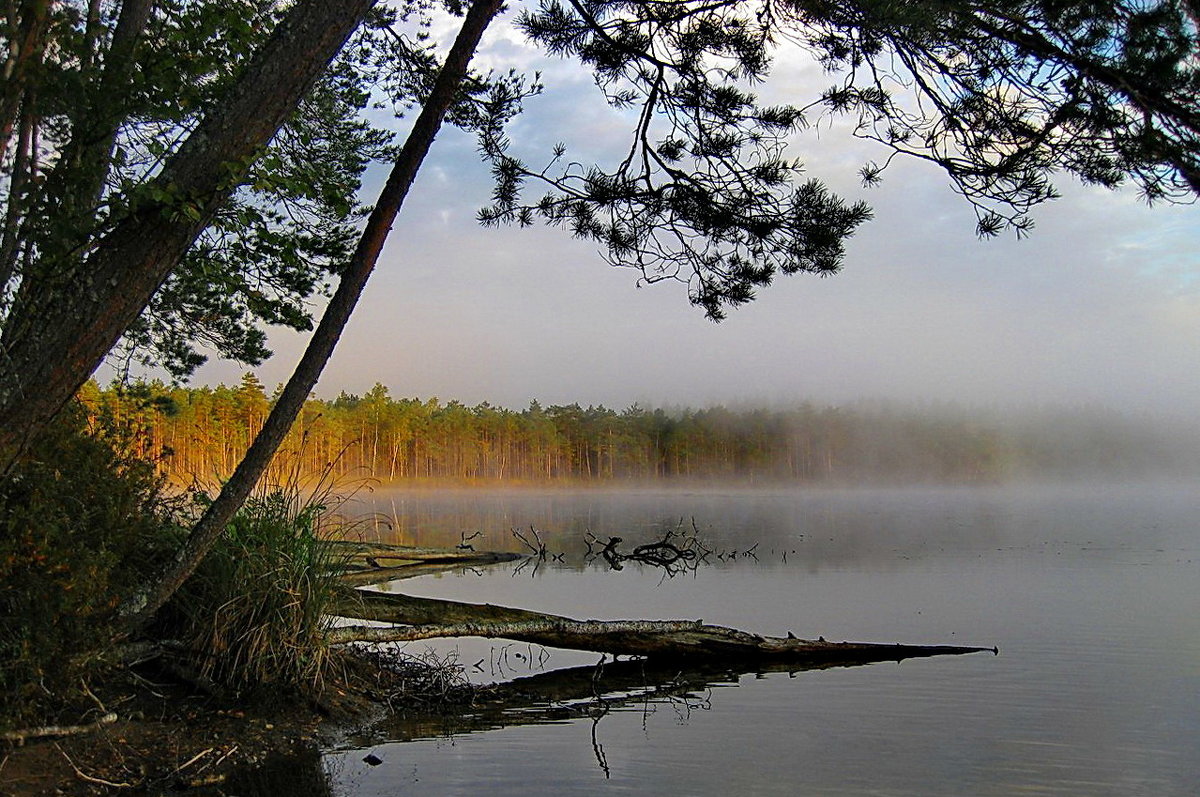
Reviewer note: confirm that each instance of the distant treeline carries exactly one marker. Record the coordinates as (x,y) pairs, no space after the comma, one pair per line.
(201,432)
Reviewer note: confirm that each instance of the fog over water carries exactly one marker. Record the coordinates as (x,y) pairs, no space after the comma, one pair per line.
(1088,592)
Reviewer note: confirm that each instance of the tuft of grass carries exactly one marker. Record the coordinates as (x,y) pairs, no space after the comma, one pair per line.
(254,614)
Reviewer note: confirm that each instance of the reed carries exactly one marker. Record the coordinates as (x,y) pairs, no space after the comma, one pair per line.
(254,614)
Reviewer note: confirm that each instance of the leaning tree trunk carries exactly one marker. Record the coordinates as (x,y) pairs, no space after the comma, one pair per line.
(142,606)
(58,336)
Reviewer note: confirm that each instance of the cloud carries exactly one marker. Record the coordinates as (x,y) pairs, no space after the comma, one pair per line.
(1100,304)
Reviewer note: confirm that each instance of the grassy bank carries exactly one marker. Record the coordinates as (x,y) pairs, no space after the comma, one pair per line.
(84,522)
(240,667)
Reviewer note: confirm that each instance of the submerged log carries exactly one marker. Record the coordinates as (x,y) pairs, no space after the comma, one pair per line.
(429,618)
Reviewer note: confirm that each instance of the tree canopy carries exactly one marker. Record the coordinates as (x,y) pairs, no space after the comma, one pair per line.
(1004,93)
(176,173)
(122,120)
(108,93)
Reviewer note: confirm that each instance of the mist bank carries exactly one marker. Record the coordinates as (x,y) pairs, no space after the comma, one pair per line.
(199,434)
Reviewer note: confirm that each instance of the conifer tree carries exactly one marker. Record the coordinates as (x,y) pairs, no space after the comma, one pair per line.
(179,172)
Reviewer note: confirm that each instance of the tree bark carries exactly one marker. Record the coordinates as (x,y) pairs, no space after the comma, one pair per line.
(57,338)
(429,618)
(141,607)
(24,53)
(84,165)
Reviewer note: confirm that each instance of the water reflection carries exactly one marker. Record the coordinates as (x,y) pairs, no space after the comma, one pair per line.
(577,693)
(586,694)
(301,774)
(814,528)
(1089,592)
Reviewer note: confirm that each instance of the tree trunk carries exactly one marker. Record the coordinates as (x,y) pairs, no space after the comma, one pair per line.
(58,337)
(428,618)
(24,53)
(142,606)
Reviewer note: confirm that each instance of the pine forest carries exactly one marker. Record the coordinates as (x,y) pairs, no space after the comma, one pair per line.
(197,436)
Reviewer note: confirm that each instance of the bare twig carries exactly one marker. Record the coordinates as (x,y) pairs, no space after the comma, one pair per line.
(190,761)
(539,549)
(92,695)
(24,734)
(79,773)
(228,753)
(597,748)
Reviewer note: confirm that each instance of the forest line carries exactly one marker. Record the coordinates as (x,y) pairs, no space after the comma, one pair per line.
(198,434)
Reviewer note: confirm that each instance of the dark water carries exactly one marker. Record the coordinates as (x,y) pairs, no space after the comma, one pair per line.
(1092,595)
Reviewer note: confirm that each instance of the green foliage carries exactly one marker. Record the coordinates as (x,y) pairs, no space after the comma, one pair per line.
(1001,94)
(254,614)
(1004,93)
(106,101)
(80,523)
(706,194)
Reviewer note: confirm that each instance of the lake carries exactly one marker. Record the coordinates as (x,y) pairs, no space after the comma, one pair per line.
(1092,595)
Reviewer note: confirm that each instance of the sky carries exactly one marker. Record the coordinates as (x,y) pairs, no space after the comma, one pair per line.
(1099,306)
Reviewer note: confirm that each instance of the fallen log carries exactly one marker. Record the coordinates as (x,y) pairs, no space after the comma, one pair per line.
(22,735)
(428,618)
(366,563)
(365,577)
(385,551)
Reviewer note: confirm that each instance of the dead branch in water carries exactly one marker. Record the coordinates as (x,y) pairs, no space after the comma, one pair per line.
(535,544)
(428,618)
(675,553)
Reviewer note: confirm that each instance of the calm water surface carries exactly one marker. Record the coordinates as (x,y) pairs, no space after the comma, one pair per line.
(1092,595)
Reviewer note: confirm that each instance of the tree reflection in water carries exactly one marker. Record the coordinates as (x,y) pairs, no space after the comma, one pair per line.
(576,694)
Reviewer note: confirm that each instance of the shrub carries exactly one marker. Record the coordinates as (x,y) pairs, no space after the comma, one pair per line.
(81,522)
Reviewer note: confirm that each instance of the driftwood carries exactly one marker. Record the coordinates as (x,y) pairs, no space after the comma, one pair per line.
(367,563)
(428,618)
(675,553)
